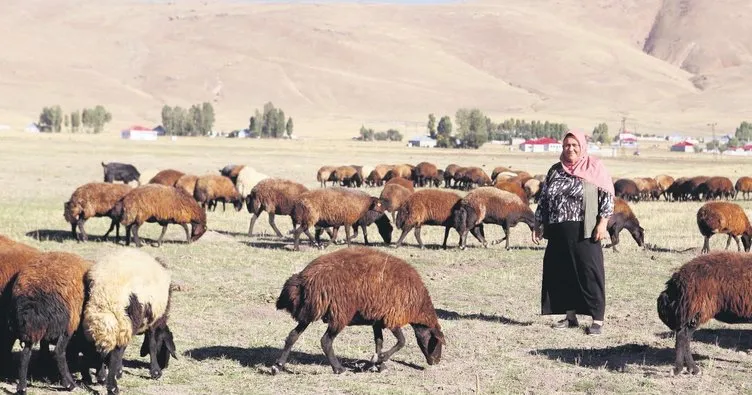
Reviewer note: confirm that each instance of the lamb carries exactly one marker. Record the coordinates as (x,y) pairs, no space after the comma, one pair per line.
(167,177)
(393,196)
(129,295)
(361,286)
(96,199)
(246,179)
(709,286)
(724,217)
(403,182)
(275,196)
(47,298)
(323,174)
(426,207)
(124,172)
(490,205)
(744,186)
(332,207)
(623,218)
(211,188)
(627,190)
(163,205)
(425,173)
(187,183)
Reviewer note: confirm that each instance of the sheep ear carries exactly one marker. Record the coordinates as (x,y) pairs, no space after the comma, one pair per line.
(170,344)
(440,336)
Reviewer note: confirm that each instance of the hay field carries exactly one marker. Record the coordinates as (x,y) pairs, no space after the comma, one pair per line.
(228,331)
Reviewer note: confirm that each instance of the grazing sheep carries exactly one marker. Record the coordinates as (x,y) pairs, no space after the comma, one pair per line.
(129,295)
(361,286)
(13,257)
(163,205)
(167,177)
(724,217)
(627,189)
(404,170)
(710,286)
(372,216)
(474,176)
(247,179)
(187,183)
(393,196)
(513,187)
(124,172)
(716,188)
(324,173)
(213,188)
(449,173)
(664,183)
(274,196)
(331,207)
(96,199)
(744,186)
(500,169)
(376,176)
(403,182)
(347,176)
(232,172)
(623,218)
(693,186)
(47,298)
(679,190)
(426,207)
(489,205)
(425,173)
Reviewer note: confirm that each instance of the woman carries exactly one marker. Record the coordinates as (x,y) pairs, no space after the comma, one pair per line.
(573,211)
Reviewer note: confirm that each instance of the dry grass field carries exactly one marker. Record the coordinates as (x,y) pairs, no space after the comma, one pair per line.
(228,331)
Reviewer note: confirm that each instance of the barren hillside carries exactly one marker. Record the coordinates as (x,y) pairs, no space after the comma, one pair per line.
(336,66)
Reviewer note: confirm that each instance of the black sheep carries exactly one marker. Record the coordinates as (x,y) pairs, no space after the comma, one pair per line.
(124,172)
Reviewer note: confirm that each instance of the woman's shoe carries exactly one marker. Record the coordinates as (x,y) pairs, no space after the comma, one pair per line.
(565,324)
(594,329)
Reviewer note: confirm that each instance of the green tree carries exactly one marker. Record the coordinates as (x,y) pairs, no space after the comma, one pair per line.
(57,119)
(46,120)
(744,131)
(99,117)
(471,127)
(207,117)
(168,121)
(600,133)
(393,135)
(66,121)
(75,119)
(712,145)
(194,122)
(366,134)
(432,125)
(288,127)
(734,142)
(380,136)
(279,125)
(444,133)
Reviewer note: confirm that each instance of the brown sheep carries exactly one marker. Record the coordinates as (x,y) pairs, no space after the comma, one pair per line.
(347,176)
(393,196)
(514,188)
(167,177)
(47,300)
(679,189)
(376,176)
(623,218)
(324,173)
(211,188)
(361,286)
(489,205)
(710,286)
(404,170)
(96,199)
(475,176)
(627,189)
(724,217)
(716,188)
(532,189)
(163,205)
(232,172)
(403,182)
(332,207)
(425,173)
(449,175)
(274,196)
(13,257)
(187,183)
(664,183)
(499,169)
(693,186)
(744,186)
(426,207)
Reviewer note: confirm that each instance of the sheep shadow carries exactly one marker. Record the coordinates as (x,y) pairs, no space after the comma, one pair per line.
(731,339)
(261,358)
(655,248)
(452,315)
(56,235)
(615,359)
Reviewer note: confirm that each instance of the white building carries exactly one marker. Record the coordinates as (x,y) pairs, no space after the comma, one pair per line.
(138,133)
(684,146)
(422,141)
(543,144)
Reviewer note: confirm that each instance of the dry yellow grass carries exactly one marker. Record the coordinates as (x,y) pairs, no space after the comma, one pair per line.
(336,66)
(227,330)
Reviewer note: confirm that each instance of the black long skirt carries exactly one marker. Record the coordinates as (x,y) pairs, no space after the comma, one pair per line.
(573,274)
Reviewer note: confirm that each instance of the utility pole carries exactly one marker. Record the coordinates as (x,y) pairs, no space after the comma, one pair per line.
(715,143)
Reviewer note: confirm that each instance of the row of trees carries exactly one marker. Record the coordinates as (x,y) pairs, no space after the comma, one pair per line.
(196,121)
(89,120)
(368,134)
(270,124)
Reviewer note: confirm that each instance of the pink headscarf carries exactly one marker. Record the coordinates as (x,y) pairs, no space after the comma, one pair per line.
(587,167)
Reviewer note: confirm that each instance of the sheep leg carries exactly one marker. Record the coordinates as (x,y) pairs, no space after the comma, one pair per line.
(62,364)
(23,368)
(253,222)
(463,239)
(82,236)
(154,370)
(405,231)
(446,236)
(161,236)
(383,357)
(115,364)
(706,245)
(326,345)
(479,235)
(690,363)
(128,235)
(738,247)
(378,339)
(289,342)
(223,205)
(728,242)
(187,232)
(273,225)
(417,237)
(73,230)
(135,235)
(112,226)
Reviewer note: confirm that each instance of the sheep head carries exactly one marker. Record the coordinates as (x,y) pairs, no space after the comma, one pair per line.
(430,341)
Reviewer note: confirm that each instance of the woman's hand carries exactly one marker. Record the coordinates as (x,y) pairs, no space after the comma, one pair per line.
(537,233)
(601,230)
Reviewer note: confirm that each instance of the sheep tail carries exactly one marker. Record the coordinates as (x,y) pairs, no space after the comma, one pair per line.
(291,297)
(108,326)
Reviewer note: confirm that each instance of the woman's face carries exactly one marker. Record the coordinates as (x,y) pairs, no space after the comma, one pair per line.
(571,149)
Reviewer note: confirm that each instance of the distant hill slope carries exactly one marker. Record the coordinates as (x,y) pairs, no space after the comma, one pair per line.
(334,67)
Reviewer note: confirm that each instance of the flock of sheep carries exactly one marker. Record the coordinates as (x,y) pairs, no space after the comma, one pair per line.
(91,309)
